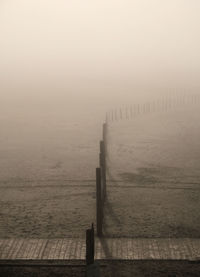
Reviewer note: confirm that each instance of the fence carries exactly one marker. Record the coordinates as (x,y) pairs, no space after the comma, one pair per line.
(101,182)
(162,104)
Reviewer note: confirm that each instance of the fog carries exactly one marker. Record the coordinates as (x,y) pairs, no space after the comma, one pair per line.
(63,65)
(98,50)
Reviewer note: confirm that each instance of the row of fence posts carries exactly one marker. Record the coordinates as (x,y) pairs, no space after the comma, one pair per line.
(164,104)
(92,267)
(101,182)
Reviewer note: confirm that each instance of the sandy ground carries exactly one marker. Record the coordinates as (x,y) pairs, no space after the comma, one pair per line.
(47,173)
(154,167)
(60,210)
(47,176)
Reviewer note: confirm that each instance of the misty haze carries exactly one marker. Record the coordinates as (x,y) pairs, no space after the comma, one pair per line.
(67,67)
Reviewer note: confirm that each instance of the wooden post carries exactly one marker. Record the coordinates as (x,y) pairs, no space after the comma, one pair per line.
(138,109)
(102,177)
(99,211)
(105,134)
(90,245)
(103,168)
(126,113)
(116,118)
(131,111)
(120,114)
(105,129)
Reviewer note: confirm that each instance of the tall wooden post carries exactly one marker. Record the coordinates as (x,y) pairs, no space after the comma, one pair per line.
(105,126)
(99,210)
(90,246)
(104,133)
(116,117)
(103,165)
(102,177)
(121,117)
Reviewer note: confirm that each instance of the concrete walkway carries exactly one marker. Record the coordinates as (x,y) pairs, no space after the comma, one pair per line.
(116,248)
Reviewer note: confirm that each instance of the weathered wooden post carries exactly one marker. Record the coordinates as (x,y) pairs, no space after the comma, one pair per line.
(105,134)
(103,166)
(90,245)
(121,117)
(116,117)
(105,130)
(102,183)
(127,113)
(99,210)
(131,111)
(92,267)
(138,109)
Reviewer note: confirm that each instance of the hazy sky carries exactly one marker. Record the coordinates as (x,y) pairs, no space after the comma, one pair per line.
(110,46)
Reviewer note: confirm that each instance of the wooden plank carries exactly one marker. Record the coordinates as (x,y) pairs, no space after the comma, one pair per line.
(58,249)
(46,250)
(36,248)
(124,248)
(145,249)
(52,247)
(7,248)
(67,253)
(150,244)
(163,249)
(11,248)
(188,248)
(170,246)
(182,248)
(28,249)
(113,247)
(21,250)
(134,249)
(78,248)
(156,250)
(120,248)
(83,250)
(15,250)
(55,249)
(174,244)
(3,245)
(130,253)
(73,250)
(63,248)
(40,248)
(194,248)
(33,245)
(138,248)
(197,247)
